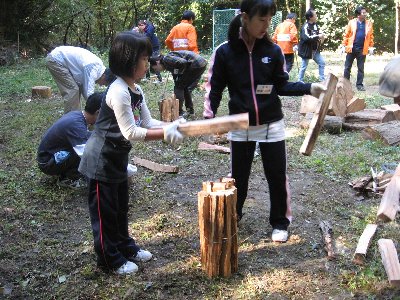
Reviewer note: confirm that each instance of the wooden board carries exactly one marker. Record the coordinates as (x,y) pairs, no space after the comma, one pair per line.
(388,133)
(390,200)
(363,244)
(155,166)
(217,125)
(390,260)
(318,119)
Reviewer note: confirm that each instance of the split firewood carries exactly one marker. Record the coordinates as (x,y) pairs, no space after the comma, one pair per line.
(331,124)
(355,104)
(390,260)
(41,91)
(390,200)
(388,133)
(318,119)
(367,117)
(363,244)
(169,109)
(206,146)
(155,166)
(395,108)
(327,237)
(360,184)
(217,125)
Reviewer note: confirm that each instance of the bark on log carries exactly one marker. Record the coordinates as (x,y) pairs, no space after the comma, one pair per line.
(388,133)
(155,166)
(41,91)
(395,108)
(217,125)
(363,244)
(218,228)
(209,147)
(355,104)
(332,124)
(327,237)
(390,260)
(390,200)
(318,119)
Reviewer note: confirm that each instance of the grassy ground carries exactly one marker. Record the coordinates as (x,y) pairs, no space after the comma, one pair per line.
(45,236)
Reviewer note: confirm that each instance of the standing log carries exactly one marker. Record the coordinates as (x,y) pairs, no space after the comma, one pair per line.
(355,104)
(390,200)
(388,133)
(218,228)
(390,260)
(318,119)
(363,244)
(327,237)
(217,125)
(169,109)
(395,108)
(41,91)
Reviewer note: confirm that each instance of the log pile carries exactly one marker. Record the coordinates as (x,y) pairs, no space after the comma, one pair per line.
(218,228)
(169,109)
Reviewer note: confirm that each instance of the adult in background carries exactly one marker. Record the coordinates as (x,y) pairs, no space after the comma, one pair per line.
(358,41)
(76,71)
(285,36)
(311,38)
(183,36)
(252,67)
(147,28)
(63,143)
(186,68)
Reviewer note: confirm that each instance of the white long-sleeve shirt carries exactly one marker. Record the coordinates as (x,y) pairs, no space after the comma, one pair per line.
(86,68)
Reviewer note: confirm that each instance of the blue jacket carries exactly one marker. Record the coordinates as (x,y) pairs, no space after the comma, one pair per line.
(244,71)
(150,33)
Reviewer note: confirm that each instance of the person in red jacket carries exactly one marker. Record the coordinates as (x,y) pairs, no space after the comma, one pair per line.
(358,41)
(285,36)
(183,36)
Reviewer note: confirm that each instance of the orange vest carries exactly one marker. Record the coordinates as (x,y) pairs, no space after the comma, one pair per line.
(350,34)
(285,36)
(182,37)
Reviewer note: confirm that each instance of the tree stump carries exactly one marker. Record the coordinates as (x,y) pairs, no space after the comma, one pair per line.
(41,91)
(218,228)
(169,109)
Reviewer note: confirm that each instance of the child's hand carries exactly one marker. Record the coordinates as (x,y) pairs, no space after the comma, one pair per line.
(171,133)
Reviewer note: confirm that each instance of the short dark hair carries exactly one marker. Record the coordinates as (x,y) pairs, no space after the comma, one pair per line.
(126,50)
(358,10)
(93,103)
(109,76)
(153,61)
(188,15)
(309,13)
(291,16)
(142,22)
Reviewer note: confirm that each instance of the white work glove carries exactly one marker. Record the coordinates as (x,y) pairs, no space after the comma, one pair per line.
(295,48)
(317,89)
(371,50)
(171,133)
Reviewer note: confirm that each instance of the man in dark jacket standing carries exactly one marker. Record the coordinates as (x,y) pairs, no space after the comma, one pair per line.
(311,38)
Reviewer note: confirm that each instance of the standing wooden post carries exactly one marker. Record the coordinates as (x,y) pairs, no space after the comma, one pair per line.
(169,109)
(218,228)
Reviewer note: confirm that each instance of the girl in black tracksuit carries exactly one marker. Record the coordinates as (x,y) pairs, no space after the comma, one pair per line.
(252,67)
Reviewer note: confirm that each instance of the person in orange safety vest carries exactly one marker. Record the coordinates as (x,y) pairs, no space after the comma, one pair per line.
(285,36)
(183,36)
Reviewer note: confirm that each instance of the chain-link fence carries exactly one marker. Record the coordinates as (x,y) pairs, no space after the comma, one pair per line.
(222,19)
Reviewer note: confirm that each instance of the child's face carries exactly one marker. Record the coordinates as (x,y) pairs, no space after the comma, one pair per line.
(141,68)
(257,26)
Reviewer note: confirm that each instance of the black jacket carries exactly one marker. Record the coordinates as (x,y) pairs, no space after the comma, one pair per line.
(242,71)
(309,40)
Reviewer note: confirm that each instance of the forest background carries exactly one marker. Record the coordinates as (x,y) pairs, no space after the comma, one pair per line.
(39,26)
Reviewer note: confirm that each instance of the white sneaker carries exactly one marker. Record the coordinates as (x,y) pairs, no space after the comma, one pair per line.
(142,256)
(127,268)
(279,235)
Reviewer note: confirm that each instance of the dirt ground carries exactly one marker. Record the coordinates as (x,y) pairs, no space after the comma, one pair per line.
(57,259)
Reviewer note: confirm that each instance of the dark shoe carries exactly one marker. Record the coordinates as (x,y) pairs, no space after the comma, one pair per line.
(361,88)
